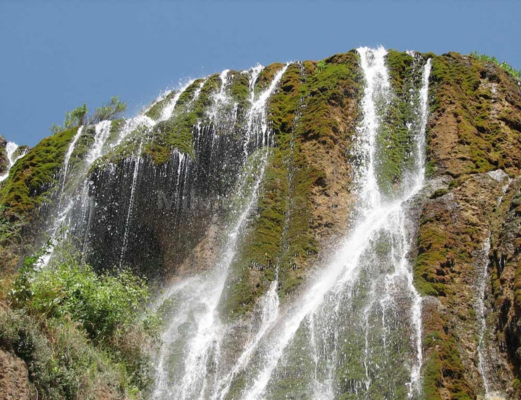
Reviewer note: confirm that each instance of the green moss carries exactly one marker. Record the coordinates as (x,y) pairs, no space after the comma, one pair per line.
(188,94)
(239,89)
(483,143)
(254,266)
(444,368)
(21,150)
(282,236)
(166,136)
(439,193)
(490,59)
(266,77)
(32,178)
(432,378)
(396,144)
(155,111)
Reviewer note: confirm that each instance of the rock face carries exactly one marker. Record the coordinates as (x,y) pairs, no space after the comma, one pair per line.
(166,188)
(474,148)
(14,378)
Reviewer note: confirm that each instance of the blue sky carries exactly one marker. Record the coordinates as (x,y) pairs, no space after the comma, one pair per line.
(56,55)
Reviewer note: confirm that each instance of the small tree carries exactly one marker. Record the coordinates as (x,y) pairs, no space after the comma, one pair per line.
(73,118)
(78,116)
(109,111)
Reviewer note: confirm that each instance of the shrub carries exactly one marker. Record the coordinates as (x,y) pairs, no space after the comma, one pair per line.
(101,303)
(79,331)
(61,362)
(10,225)
(507,67)
(78,116)
(73,118)
(109,111)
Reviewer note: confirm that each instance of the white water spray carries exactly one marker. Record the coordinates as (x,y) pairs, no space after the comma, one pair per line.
(10,149)
(377,217)
(204,292)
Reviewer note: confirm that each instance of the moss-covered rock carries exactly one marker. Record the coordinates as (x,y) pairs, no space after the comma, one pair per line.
(32,179)
(312,122)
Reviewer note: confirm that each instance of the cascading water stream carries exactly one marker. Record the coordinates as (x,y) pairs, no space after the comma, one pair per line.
(480,314)
(335,285)
(137,163)
(10,149)
(482,274)
(203,293)
(357,320)
(67,158)
(61,213)
(147,123)
(102,132)
(167,111)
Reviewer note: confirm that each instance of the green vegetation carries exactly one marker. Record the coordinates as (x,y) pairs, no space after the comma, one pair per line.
(462,92)
(79,116)
(10,226)
(73,119)
(177,132)
(108,112)
(79,333)
(444,368)
(320,66)
(396,147)
(32,179)
(507,67)
(284,234)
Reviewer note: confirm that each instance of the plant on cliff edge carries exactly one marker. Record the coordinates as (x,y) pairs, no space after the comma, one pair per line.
(73,118)
(78,116)
(108,111)
(507,67)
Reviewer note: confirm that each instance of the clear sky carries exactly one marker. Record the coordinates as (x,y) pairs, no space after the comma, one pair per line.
(56,55)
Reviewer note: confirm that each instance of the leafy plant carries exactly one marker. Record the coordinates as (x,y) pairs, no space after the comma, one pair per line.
(10,225)
(101,303)
(74,327)
(507,67)
(73,118)
(320,66)
(109,111)
(78,116)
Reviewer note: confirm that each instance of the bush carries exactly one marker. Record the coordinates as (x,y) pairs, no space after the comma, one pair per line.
(101,303)
(61,362)
(73,118)
(78,116)
(109,111)
(80,332)
(10,225)
(507,67)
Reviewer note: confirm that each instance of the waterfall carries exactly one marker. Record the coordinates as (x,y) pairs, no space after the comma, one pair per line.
(166,113)
(353,329)
(148,123)
(326,311)
(67,158)
(200,295)
(11,149)
(61,213)
(356,326)
(102,132)
(137,163)
(480,308)
(482,277)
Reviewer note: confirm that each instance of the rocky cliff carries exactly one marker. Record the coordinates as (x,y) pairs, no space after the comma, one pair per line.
(247,183)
